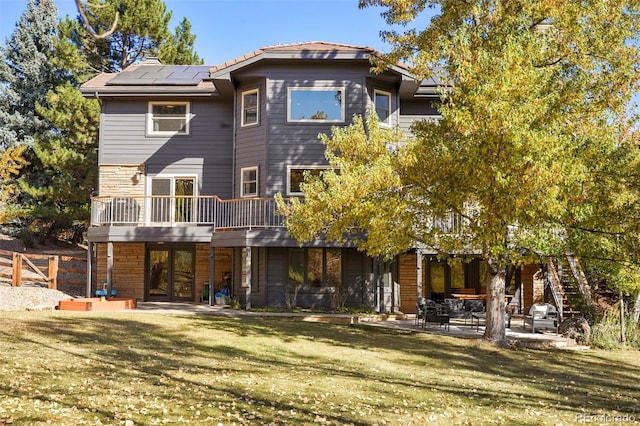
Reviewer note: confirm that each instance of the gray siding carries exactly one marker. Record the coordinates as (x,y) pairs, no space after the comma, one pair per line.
(416,109)
(206,152)
(277,275)
(298,143)
(251,140)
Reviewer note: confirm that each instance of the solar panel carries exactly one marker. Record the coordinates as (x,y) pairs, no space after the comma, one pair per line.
(165,75)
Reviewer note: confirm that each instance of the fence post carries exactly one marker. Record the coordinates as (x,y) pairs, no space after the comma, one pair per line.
(17,270)
(53,272)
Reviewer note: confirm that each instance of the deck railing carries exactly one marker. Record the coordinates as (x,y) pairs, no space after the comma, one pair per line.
(243,213)
(185,210)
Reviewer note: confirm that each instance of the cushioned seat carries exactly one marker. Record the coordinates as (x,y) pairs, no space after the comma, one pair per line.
(542,315)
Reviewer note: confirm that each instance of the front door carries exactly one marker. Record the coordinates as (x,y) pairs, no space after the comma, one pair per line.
(170,274)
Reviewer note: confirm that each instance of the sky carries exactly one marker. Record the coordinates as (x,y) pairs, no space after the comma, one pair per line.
(226,29)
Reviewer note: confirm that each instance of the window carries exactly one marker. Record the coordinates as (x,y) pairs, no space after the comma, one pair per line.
(249,182)
(315,104)
(168,118)
(250,107)
(172,199)
(315,267)
(296,177)
(383,106)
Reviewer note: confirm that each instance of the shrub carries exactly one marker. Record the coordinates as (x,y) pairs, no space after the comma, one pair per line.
(606,332)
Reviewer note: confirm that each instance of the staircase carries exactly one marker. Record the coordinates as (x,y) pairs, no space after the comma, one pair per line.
(568,285)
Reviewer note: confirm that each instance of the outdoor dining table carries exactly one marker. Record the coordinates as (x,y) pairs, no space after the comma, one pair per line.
(470,296)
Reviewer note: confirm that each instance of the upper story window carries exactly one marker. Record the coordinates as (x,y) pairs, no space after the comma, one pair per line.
(249,182)
(250,102)
(296,177)
(168,118)
(315,104)
(382,102)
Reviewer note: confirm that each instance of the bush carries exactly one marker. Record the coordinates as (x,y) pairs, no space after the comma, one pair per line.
(606,332)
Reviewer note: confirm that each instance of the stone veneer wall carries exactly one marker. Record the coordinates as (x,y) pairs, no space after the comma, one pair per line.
(121,180)
(129,268)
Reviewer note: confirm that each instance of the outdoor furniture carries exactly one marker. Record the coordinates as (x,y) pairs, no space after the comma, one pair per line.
(542,315)
(477,316)
(436,313)
(473,306)
(457,308)
(470,296)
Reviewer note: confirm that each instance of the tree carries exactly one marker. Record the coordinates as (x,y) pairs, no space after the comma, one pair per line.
(82,10)
(56,187)
(142,27)
(67,172)
(11,162)
(178,49)
(27,73)
(534,91)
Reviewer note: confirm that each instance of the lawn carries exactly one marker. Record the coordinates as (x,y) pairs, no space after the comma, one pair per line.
(144,369)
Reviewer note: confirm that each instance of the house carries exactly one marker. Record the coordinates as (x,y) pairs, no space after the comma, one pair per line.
(190,158)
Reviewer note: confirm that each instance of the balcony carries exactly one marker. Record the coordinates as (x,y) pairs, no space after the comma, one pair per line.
(245,213)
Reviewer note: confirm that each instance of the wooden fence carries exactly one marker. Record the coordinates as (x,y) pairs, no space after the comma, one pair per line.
(20,268)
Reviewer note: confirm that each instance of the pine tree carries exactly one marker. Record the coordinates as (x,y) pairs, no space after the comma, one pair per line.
(178,49)
(58,191)
(27,74)
(142,28)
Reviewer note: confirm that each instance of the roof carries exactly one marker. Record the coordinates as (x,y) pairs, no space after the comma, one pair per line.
(305,50)
(152,78)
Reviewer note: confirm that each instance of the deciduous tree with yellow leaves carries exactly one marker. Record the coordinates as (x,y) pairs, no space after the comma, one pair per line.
(530,145)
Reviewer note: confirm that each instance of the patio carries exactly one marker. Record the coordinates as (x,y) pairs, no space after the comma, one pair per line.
(516,335)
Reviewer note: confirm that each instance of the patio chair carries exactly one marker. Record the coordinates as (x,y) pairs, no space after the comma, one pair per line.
(456,308)
(542,315)
(436,313)
(473,307)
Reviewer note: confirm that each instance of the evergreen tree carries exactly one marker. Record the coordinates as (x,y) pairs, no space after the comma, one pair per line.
(178,49)
(59,193)
(27,74)
(142,28)
(11,162)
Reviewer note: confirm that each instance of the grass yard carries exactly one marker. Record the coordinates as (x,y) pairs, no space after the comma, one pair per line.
(144,369)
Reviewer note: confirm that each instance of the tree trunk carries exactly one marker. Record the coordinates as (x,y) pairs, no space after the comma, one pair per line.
(636,309)
(496,275)
(623,336)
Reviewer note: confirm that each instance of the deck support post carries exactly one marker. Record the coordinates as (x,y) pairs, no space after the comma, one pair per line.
(109,268)
(212,274)
(90,247)
(246,275)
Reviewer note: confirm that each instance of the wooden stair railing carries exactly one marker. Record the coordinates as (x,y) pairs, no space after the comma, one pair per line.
(552,281)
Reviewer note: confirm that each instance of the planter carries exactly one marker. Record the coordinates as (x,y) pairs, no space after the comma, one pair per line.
(97,304)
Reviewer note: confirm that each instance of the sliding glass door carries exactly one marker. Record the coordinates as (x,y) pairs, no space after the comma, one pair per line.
(170,274)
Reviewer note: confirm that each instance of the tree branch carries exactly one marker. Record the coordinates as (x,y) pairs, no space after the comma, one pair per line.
(87,25)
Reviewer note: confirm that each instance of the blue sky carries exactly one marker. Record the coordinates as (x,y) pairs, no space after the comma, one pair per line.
(226,29)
